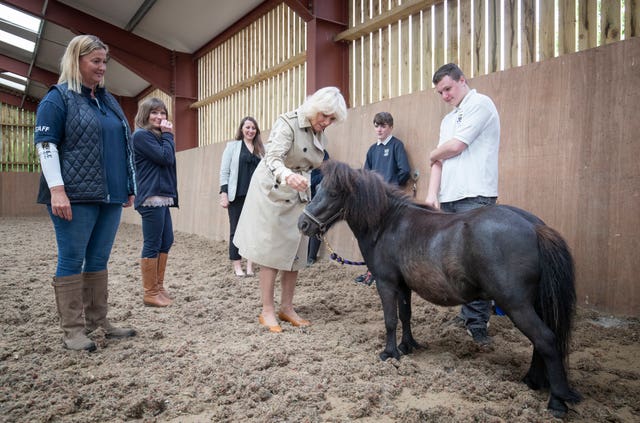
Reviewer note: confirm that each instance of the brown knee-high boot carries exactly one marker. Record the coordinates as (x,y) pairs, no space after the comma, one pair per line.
(68,292)
(152,297)
(95,296)
(162,265)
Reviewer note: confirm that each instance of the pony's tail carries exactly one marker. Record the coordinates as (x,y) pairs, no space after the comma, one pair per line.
(557,296)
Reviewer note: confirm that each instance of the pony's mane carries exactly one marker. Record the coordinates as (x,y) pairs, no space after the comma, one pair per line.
(367,197)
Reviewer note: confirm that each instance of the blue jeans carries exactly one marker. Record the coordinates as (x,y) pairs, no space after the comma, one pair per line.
(84,242)
(476,314)
(157,231)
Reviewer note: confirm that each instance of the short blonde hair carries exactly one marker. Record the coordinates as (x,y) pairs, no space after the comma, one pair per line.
(327,100)
(79,46)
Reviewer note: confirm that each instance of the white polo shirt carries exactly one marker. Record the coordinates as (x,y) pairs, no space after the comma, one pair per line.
(474,172)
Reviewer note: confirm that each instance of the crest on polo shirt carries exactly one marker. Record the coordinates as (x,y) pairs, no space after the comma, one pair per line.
(459,118)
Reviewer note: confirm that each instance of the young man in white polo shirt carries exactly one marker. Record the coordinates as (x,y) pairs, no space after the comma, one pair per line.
(464,166)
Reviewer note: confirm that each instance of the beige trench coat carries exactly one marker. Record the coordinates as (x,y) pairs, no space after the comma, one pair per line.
(267,231)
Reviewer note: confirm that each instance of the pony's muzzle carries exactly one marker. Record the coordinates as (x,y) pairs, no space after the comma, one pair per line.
(305,226)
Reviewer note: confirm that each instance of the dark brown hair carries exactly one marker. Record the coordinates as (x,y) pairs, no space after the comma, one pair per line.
(258,147)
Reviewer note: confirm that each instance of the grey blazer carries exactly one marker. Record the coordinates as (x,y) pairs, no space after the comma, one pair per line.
(229,167)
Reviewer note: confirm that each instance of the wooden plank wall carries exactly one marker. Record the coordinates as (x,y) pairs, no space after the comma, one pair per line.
(568,153)
(18,192)
(17,152)
(395,46)
(260,72)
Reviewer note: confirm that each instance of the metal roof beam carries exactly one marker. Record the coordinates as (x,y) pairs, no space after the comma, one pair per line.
(139,15)
(21,68)
(151,61)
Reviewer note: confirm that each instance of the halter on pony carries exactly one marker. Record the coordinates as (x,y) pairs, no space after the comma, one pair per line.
(322,229)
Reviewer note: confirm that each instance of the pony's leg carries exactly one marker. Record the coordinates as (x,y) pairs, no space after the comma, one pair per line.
(389,299)
(536,377)
(404,311)
(544,343)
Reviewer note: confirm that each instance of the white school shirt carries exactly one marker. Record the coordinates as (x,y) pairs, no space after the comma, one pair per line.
(474,172)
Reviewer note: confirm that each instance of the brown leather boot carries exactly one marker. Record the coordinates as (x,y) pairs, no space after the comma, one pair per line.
(152,297)
(162,265)
(95,297)
(68,292)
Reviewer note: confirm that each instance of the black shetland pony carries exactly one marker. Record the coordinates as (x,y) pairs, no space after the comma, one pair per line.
(496,252)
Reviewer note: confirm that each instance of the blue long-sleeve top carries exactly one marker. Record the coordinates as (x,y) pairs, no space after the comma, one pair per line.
(155,166)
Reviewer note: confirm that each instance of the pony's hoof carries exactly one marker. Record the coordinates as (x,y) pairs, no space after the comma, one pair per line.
(408,347)
(384,355)
(557,408)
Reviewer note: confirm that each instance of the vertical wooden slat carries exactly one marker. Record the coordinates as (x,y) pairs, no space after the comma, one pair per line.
(427,49)
(465,46)
(353,88)
(452,53)
(395,54)
(352,52)
(385,65)
(416,48)
(493,42)
(632,18)
(610,21)
(357,56)
(510,28)
(392,57)
(375,75)
(479,58)
(405,55)
(439,36)
(587,24)
(567,26)
(546,30)
(366,69)
(528,31)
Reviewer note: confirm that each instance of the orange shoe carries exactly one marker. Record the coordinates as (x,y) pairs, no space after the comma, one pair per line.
(294,322)
(274,329)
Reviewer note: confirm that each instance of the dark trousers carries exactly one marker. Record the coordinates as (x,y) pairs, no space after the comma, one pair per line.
(157,231)
(476,314)
(234,209)
(314,246)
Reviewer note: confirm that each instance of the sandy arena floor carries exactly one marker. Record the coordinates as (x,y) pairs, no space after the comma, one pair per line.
(206,359)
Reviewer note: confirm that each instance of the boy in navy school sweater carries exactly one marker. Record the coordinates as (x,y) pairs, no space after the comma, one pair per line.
(388,157)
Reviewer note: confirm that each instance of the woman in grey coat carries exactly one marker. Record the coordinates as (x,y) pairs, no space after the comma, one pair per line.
(267,232)
(239,161)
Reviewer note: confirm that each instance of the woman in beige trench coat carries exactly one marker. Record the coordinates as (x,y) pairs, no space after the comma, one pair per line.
(267,231)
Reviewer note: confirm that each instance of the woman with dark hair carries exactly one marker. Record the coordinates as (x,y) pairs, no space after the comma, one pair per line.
(157,191)
(239,161)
